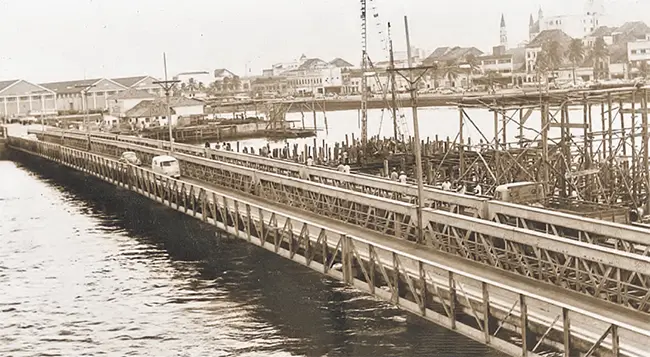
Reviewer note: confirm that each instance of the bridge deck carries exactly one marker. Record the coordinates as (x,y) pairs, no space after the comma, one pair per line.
(549,291)
(608,313)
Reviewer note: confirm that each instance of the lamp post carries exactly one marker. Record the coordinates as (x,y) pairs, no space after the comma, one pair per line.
(167,86)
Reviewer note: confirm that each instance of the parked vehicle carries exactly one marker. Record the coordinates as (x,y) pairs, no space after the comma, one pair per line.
(166,165)
(520,192)
(130,157)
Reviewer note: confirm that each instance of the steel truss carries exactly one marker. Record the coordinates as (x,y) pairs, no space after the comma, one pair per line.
(623,237)
(595,270)
(502,315)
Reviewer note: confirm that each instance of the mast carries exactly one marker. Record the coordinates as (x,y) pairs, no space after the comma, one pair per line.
(364,80)
(392,84)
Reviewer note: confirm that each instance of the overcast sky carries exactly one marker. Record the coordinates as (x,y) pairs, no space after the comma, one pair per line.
(50,40)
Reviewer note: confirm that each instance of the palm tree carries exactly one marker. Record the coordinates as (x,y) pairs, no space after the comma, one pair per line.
(451,71)
(576,54)
(474,67)
(553,55)
(599,54)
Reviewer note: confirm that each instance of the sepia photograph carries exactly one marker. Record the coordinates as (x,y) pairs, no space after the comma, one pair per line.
(334,178)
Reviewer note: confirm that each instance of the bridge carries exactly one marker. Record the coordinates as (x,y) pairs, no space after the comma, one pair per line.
(523,280)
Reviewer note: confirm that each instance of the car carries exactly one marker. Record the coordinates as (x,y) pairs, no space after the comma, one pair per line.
(130,157)
(166,165)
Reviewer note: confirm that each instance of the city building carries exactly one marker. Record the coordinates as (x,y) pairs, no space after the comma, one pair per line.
(124,101)
(20,98)
(225,81)
(69,94)
(535,47)
(145,83)
(266,86)
(199,79)
(454,69)
(149,113)
(576,26)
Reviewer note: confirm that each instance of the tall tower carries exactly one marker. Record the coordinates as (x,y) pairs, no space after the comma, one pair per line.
(503,34)
(593,15)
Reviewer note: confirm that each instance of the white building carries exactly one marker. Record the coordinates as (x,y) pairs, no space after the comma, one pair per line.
(575,25)
(122,102)
(316,81)
(535,47)
(196,78)
(21,98)
(149,113)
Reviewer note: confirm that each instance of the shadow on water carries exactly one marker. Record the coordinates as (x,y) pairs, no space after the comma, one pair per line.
(316,315)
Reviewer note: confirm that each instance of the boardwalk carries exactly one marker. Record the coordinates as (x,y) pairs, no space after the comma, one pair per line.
(451,277)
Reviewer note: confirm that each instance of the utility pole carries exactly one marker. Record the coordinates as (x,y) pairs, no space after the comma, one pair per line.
(167,86)
(364,79)
(84,91)
(416,128)
(393,88)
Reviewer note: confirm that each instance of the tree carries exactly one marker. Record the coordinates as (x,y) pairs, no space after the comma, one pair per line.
(576,54)
(474,67)
(451,71)
(236,83)
(553,55)
(599,55)
(227,84)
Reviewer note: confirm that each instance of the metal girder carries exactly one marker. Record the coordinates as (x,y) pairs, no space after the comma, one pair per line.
(561,224)
(590,269)
(468,303)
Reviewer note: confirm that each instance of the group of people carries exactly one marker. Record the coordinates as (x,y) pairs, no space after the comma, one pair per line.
(462,187)
(401,177)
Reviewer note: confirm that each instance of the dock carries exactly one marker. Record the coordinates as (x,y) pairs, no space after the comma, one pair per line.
(519,278)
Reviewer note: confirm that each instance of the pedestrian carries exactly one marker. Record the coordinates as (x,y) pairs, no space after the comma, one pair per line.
(310,161)
(394,176)
(446,186)
(340,168)
(402,177)
(478,190)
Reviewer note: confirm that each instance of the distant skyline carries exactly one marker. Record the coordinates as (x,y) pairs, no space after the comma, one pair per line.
(45,41)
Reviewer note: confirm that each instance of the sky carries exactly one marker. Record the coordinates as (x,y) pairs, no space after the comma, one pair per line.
(56,40)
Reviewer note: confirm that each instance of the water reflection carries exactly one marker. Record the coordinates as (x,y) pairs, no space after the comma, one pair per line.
(87,268)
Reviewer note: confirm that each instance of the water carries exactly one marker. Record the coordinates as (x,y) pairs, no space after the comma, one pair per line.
(87,269)
(441,121)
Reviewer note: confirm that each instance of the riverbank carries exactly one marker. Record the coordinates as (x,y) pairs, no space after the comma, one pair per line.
(378,102)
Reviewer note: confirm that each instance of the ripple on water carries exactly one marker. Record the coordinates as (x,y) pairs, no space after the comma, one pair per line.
(91,271)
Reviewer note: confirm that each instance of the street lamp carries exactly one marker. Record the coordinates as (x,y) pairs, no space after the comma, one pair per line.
(167,86)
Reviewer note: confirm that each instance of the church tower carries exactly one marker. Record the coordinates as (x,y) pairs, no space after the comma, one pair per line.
(503,34)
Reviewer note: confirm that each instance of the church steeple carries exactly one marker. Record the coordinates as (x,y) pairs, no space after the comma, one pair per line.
(503,34)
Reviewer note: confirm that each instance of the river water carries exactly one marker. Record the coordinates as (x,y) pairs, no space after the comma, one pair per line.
(444,122)
(88,269)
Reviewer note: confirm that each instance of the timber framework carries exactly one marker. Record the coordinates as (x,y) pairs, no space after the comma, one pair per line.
(591,145)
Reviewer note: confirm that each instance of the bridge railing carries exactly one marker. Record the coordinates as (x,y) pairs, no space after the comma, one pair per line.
(619,236)
(597,270)
(417,279)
